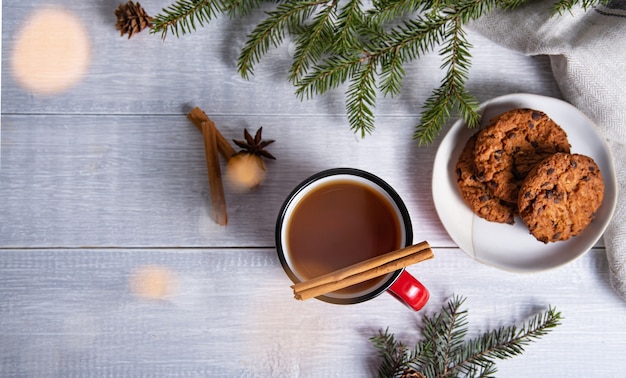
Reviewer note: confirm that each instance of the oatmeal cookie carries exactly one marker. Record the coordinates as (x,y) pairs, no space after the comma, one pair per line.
(560,196)
(510,146)
(476,193)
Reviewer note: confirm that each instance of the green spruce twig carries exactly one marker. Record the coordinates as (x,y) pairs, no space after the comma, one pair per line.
(443,350)
(563,6)
(366,45)
(182,16)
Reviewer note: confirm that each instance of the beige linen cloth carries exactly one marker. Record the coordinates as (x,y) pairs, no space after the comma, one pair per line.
(587,51)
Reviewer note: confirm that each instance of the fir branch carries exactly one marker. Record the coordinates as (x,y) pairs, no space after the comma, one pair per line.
(445,333)
(506,342)
(183,16)
(313,41)
(392,73)
(350,21)
(348,44)
(240,8)
(361,99)
(271,32)
(452,94)
(392,352)
(334,71)
(443,351)
(563,6)
(389,10)
(413,38)
(455,333)
(406,42)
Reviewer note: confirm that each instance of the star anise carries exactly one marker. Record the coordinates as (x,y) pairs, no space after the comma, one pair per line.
(254,146)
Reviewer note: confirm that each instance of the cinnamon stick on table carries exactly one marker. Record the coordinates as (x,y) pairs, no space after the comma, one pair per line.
(216,186)
(363,271)
(197,116)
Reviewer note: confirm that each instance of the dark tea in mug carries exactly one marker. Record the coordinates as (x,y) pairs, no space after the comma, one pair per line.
(340,223)
(337,218)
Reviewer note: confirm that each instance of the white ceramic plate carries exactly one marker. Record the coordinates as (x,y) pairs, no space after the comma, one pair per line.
(508,247)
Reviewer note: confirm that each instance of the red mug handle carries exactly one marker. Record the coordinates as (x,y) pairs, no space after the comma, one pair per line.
(408,290)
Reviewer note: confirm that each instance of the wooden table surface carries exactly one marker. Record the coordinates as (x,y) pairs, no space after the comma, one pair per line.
(103,185)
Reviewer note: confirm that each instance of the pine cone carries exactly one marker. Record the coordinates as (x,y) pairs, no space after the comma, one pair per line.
(131,18)
(411,373)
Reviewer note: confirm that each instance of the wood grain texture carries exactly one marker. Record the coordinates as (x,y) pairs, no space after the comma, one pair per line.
(82,180)
(230,312)
(145,75)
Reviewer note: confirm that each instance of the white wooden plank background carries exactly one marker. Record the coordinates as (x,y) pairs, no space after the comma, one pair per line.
(109,177)
(230,313)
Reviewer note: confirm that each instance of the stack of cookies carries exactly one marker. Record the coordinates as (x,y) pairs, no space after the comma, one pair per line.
(520,163)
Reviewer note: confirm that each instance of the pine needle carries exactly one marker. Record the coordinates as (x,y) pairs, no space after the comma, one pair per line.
(366,46)
(183,16)
(443,350)
(361,99)
(271,32)
(563,6)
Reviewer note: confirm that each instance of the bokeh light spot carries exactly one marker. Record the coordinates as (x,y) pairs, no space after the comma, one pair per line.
(51,51)
(152,282)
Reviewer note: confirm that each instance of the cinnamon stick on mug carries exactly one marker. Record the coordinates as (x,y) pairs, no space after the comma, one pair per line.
(363,271)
